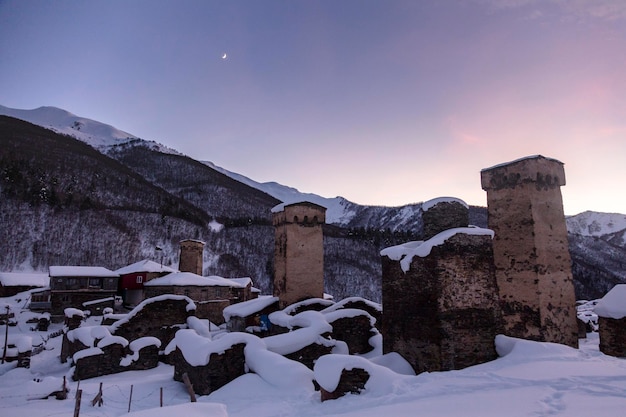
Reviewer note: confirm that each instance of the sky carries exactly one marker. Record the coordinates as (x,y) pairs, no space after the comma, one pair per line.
(381,102)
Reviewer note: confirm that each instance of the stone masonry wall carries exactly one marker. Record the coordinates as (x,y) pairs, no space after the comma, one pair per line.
(612,336)
(221,369)
(443,313)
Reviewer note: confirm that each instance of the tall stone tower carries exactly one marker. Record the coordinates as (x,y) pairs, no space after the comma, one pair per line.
(298,252)
(440,297)
(531,254)
(191,256)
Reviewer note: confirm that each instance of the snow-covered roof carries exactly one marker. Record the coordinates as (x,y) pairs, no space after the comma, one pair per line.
(406,251)
(190,306)
(341,304)
(191,279)
(328,370)
(244,282)
(98,301)
(28,279)
(520,160)
(144,266)
(247,308)
(613,304)
(193,240)
(290,309)
(310,326)
(427,205)
(281,207)
(81,271)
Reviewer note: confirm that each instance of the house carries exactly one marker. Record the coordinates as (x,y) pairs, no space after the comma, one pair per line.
(247,291)
(611,311)
(73,286)
(211,294)
(134,276)
(12,283)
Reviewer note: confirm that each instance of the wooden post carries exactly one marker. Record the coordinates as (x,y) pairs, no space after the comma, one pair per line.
(77,386)
(161,397)
(6,335)
(192,395)
(79,394)
(98,398)
(130,399)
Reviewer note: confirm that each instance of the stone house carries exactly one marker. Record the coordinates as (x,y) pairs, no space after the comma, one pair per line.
(12,283)
(611,311)
(440,297)
(72,286)
(210,294)
(134,276)
(159,317)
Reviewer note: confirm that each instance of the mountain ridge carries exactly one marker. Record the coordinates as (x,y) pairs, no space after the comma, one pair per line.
(353,238)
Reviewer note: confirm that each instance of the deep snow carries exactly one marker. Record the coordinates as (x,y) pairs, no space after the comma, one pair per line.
(529,379)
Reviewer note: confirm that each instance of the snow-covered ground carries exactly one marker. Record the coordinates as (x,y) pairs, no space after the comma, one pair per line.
(529,379)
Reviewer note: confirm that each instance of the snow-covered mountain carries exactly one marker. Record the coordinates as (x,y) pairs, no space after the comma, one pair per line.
(591,223)
(338,209)
(99,135)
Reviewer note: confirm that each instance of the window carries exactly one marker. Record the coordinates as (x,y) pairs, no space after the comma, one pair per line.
(72,281)
(95,282)
(218,292)
(139,279)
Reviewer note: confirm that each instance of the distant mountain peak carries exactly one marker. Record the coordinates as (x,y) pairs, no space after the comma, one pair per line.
(99,135)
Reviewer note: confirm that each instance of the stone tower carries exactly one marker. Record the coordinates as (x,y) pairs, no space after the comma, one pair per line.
(531,255)
(440,297)
(191,256)
(298,252)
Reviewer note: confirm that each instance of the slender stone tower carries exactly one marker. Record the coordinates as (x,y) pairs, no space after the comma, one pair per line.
(533,266)
(191,256)
(298,252)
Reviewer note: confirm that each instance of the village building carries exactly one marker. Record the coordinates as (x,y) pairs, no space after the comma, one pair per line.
(134,276)
(440,298)
(190,259)
(211,294)
(611,311)
(298,252)
(531,254)
(73,286)
(251,315)
(12,283)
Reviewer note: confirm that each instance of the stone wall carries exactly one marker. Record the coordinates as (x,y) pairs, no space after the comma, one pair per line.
(350,382)
(443,313)
(160,319)
(221,369)
(110,361)
(309,354)
(444,215)
(612,336)
(533,265)
(355,332)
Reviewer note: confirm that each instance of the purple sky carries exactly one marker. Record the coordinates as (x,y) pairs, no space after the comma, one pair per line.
(382,102)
